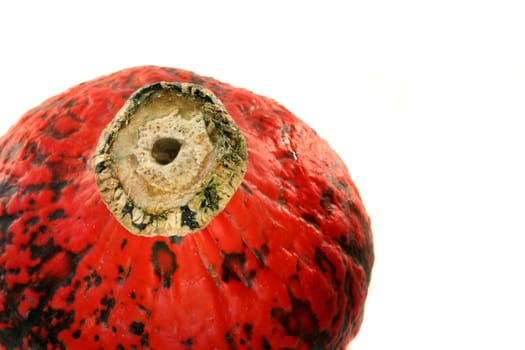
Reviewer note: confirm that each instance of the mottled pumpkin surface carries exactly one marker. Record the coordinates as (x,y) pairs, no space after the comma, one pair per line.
(286,265)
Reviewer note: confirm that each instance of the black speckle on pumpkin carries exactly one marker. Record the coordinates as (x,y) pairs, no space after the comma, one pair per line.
(57,133)
(87,280)
(164,262)
(53,321)
(350,247)
(233,266)
(44,251)
(122,274)
(34,188)
(260,254)
(265,344)
(245,188)
(14,271)
(70,297)
(187,342)
(323,262)
(248,328)
(123,243)
(346,327)
(348,286)
(108,304)
(32,221)
(175,240)
(32,149)
(8,188)
(144,309)
(301,322)
(57,214)
(57,188)
(144,340)
(228,337)
(76,334)
(327,200)
(6,220)
(12,152)
(311,219)
(97,280)
(69,104)
(297,266)
(136,328)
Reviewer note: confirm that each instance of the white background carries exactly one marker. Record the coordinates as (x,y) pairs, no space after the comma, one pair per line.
(424,100)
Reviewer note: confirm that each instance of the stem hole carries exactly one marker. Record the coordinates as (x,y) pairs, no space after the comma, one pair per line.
(165,150)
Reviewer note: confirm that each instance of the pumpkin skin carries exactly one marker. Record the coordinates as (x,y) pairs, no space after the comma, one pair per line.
(286,265)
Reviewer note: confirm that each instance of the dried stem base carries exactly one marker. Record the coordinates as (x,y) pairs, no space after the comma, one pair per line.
(170,160)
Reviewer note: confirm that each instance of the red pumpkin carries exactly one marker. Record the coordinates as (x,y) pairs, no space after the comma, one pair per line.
(89,263)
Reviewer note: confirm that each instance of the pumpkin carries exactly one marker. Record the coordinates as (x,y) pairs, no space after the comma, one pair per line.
(155,208)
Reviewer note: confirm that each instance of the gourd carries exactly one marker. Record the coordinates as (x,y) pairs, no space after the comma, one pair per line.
(155,208)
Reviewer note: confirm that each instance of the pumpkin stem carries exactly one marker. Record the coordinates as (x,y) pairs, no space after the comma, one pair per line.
(170,160)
